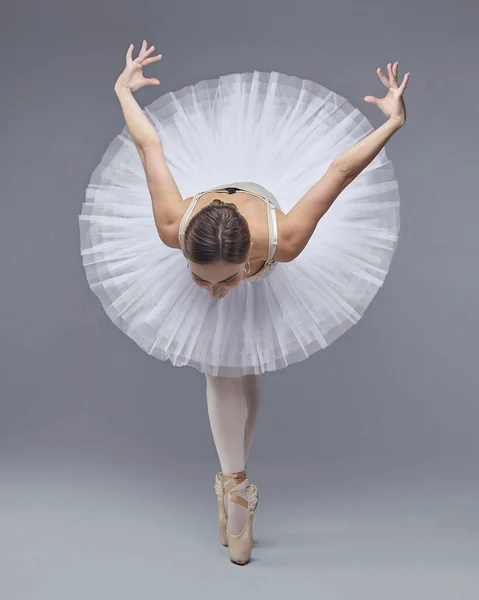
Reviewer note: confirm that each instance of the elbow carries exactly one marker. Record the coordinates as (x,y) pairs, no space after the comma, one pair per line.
(343,173)
(148,142)
(291,249)
(342,168)
(168,234)
(144,145)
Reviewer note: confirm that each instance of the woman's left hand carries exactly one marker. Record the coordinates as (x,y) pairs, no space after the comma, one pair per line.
(392,104)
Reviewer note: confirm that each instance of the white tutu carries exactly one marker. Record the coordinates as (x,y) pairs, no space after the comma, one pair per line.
(281,132)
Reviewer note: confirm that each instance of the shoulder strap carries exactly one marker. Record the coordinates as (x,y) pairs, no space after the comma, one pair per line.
(273,231)
(272,226)
(186,216)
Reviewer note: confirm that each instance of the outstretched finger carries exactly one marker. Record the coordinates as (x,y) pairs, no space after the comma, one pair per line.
(404,83)
(382,77)
(144,52)
(147,61)
(372,100)
(129,53)
(395,70)
(392,77)
(149,51)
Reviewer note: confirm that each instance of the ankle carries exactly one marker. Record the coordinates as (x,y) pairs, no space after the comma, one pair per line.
(234,477)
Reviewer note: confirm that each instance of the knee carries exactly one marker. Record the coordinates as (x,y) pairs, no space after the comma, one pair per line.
(223,386)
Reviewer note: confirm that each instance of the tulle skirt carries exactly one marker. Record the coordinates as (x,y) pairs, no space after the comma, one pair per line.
(274,130)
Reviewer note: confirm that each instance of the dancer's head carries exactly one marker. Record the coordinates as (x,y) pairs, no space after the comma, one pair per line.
(217,244)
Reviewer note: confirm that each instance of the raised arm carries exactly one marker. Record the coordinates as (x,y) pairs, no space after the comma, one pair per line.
(302,219)
(165,195)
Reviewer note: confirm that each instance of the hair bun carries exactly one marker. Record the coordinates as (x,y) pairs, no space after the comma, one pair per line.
(228,205)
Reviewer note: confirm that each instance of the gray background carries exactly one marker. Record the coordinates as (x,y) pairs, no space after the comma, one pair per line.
(365,454)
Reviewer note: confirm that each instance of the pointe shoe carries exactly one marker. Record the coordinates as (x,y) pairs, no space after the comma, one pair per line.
(222,515)
(241,544)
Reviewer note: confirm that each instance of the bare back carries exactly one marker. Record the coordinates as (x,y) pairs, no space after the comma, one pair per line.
(254,210)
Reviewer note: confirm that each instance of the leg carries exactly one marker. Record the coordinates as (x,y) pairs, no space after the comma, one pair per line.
(228,415)
(251,388)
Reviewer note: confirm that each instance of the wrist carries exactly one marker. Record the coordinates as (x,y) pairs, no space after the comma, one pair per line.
(121,86)
(397,122)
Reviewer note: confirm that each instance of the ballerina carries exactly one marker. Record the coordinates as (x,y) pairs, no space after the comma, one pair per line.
(285,210)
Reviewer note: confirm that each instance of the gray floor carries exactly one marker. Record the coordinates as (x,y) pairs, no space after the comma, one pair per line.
(80,532)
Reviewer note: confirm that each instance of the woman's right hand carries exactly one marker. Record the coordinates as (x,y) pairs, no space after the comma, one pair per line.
(132,76)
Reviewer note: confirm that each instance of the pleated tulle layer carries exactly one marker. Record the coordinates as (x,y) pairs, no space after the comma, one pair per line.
(273,129)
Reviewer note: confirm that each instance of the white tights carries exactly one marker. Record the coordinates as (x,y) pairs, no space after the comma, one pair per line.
(233,406)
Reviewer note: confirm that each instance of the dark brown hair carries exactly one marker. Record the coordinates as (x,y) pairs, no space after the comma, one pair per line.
(217,232)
